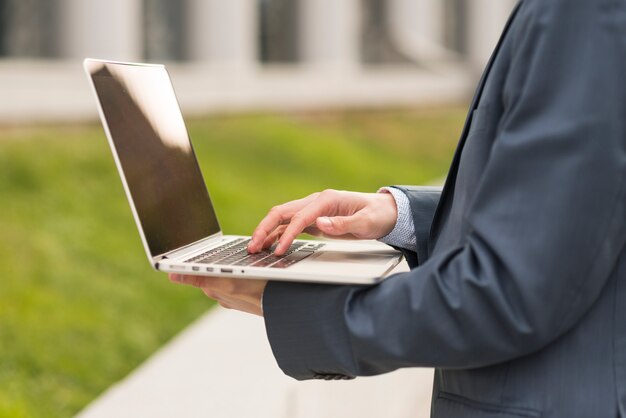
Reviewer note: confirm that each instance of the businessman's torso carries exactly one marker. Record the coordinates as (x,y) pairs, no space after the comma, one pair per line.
(583,373)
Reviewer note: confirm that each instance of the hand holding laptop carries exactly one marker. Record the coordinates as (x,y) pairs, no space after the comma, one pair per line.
(331,213)
(240,294)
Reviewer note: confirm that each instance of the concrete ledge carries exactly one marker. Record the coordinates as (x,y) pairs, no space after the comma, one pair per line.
(57,91)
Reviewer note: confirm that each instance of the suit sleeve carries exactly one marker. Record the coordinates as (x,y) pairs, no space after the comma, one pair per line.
(545,229)
(423,201)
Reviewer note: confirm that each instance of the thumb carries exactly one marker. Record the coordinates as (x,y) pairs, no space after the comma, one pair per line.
(337,225)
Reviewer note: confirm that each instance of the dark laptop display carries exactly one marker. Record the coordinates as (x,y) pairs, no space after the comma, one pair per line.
(156,156)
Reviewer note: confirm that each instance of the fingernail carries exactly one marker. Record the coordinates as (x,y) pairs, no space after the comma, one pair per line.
(324,222)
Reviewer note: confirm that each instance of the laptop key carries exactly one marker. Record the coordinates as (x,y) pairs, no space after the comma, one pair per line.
(266,261)
(220,252)
(235,253)
(292,259)
(253,258)
(233,258)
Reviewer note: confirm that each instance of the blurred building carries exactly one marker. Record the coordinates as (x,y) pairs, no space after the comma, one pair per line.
(248,54)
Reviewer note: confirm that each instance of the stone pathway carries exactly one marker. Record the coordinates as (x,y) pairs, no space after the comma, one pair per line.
(222,366)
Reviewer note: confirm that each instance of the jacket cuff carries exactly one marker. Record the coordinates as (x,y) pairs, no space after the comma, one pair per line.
(305,325)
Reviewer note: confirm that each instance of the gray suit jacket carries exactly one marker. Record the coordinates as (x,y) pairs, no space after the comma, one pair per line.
(517,293)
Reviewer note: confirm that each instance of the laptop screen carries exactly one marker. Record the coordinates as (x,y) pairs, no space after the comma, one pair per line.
(155,154)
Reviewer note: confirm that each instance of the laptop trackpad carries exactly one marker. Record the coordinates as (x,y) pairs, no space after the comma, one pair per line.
(351,257)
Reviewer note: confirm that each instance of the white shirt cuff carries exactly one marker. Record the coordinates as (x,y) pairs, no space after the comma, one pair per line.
(403,233)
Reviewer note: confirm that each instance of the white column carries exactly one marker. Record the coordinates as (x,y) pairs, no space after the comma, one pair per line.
(110,29)
(486,22)
(417,28)
(330,33)
(223,33)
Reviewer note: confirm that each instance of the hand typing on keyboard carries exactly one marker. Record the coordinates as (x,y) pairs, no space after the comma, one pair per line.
(331,213)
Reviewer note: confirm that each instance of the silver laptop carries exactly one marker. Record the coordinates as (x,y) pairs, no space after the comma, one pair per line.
(170,202)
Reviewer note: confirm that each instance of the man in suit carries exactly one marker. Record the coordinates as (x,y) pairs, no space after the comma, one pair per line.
(517,288)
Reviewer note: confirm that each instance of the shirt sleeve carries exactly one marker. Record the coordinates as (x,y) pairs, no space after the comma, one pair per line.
(403,233)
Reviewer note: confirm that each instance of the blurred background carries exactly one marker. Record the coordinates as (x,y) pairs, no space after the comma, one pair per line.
(282,97)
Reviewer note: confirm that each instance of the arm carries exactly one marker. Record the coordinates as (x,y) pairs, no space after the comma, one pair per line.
(544,231)
(247,295)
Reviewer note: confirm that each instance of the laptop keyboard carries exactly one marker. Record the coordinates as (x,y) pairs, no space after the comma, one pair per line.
(235,253)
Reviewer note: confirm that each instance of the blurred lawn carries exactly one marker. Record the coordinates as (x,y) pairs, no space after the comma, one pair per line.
(80,306)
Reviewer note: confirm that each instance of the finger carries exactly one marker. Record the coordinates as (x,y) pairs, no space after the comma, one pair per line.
(241,306)
(198,281)
(316,232)
(303,219)
(277,216)
(230,301)
(274,236)
(313,230)
(341,225)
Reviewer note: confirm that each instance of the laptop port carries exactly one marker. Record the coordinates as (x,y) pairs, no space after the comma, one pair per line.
(209,269)
(195,268)
(226,270)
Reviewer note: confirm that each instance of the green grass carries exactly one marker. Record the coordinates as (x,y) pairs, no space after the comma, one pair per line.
(72,322)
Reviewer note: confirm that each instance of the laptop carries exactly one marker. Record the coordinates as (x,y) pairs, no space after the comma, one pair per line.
(170,201)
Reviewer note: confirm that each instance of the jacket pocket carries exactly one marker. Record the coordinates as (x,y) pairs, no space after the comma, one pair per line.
(449,405)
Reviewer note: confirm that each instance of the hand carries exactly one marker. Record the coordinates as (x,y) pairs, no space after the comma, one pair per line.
(241,294)
(331,213)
